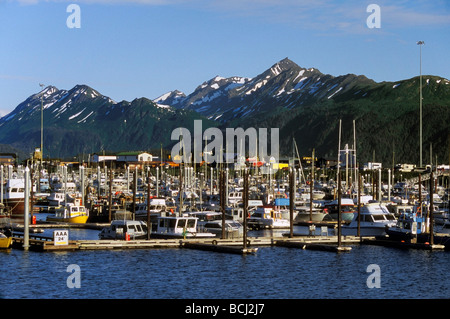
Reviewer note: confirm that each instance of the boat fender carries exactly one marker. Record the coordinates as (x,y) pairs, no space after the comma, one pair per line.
(214,242)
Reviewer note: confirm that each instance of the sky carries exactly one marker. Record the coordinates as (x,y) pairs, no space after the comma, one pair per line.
(145,48)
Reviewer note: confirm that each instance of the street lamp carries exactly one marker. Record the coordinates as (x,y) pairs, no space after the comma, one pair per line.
(420,43)
(42,124)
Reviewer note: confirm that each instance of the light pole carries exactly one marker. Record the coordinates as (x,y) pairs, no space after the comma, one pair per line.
(420,43)
(42,124)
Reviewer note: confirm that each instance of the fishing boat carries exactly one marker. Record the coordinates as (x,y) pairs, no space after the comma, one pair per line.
(409,225)
(211,222)
(178,227)
(157,206)
(347,209)
(14,198)
(267,217)
(125,230)
(70,213)
(374,219)
(56,198)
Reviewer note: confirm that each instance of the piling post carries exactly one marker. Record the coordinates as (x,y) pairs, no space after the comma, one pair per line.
(245,203)
(83,190)
(431,210)
(339,211)
(291,202)
(1,182)
(420,194)
(26,234)
(359,205)
(157,182)
(134,191)
(148,205)
(222,199)
(380,196)
(110,195)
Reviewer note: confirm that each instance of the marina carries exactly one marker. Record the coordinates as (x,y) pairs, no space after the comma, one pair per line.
(182,231)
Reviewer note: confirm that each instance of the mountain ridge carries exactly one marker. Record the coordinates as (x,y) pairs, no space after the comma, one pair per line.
(303,103)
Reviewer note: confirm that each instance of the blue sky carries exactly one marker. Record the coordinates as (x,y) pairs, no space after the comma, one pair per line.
(145,48)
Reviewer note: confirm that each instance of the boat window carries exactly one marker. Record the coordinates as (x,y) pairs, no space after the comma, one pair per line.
(181,223)
(172,223)
(377,217)
(390,217)
(138,228)
(191,223)
(131,227)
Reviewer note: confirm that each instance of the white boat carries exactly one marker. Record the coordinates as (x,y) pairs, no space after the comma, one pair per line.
(178,227)
(267,217)
(374,220)
(124,229)
(303,214)
(157,206)
(211,222)
(234,197)
(56,199)
(347,209)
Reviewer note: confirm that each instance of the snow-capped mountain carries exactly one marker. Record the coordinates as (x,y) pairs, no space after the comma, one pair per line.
(303,103)
(82,120)
(285,84)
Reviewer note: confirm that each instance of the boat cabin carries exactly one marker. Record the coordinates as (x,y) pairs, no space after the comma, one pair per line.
(123,229)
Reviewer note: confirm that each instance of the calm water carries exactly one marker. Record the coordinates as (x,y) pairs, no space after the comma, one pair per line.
(273,273)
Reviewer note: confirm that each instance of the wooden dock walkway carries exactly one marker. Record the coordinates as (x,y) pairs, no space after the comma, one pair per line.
(42,243)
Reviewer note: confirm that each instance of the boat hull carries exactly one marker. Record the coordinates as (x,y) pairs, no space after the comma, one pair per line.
(72,220)
(365,231)
(5,242)
(17,206)
(306,217)
(180,236)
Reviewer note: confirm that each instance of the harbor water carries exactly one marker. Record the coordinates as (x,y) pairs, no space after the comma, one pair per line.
(271,273)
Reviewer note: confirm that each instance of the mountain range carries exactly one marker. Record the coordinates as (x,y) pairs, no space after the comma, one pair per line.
(305,104)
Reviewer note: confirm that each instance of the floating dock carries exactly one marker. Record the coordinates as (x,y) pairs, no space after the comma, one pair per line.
(235,246)
(385,242)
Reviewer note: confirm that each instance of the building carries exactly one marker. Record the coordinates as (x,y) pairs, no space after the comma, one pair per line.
(7,158)
(98,158)
(134,157)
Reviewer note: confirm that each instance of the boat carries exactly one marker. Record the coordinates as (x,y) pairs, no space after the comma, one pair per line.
(347,209)
(211,222)
(409,225)
(5,240)
(5,228)
(157,207)
(267,217)
(125,230)
(56,198)
(235,197)
(374,218)
(178,227)
(14,198)
(303,214)
(70,213)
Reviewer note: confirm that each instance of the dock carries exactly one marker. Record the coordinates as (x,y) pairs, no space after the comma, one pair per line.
(234,246)
(385,242)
